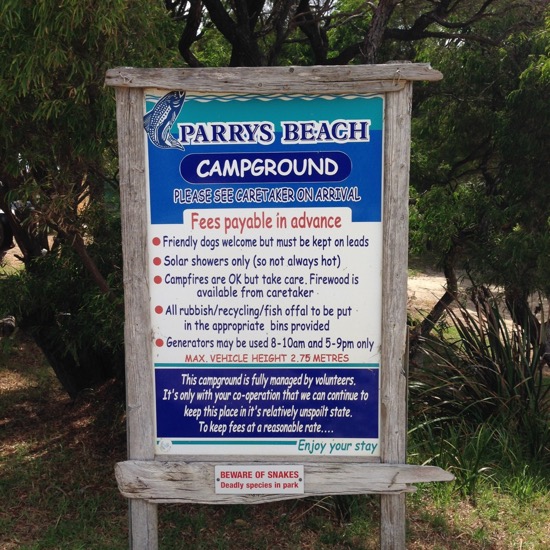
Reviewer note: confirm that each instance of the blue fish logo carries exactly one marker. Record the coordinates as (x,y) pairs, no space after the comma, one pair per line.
(159,121)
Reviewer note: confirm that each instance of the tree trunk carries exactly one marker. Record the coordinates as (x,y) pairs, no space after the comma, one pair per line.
(75,374)
(375,35)
(518,306)
(424,328)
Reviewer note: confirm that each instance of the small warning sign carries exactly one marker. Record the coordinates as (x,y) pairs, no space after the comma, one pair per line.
(259,479)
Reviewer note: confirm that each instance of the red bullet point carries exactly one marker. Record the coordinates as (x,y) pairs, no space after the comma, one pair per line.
(158,280)
(158,309)
(156,241)
(157,261)
(159,342)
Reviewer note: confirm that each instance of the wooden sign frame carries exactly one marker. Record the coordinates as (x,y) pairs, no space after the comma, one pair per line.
(147,479)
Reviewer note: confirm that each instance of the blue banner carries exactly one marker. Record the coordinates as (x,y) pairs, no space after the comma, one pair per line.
(267,402)
(326,150)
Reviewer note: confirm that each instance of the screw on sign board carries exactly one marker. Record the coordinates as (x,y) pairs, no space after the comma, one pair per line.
(265,240)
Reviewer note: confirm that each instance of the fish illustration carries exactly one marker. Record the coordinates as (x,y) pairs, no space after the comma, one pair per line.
(159,121)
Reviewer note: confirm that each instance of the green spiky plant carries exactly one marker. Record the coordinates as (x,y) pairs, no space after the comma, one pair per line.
(492,367)
(481,378)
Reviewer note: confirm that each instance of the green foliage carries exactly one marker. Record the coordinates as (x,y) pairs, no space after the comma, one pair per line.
(58,157)
(213,50)
(55,110)
(491,373)
(79,330)
(356,23)
(479,157)
(469,453)
(521,257)
(443,216)
(480,403)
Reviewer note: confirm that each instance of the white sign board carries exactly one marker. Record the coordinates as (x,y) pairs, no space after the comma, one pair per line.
(275,479)
(265,251)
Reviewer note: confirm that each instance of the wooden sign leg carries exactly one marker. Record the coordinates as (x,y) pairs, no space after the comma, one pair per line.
(143,525)
(392,522)
(393,397)
(137,337)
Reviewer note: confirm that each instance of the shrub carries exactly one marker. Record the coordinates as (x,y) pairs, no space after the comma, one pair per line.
(489,372)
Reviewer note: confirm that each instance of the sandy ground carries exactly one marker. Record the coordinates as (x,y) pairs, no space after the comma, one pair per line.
(424,290)
(9,257)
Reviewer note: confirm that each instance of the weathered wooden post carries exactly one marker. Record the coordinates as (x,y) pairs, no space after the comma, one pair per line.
(265,222)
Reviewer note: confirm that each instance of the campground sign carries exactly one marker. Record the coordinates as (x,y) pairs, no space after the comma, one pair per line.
(265,241)
(265,221)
